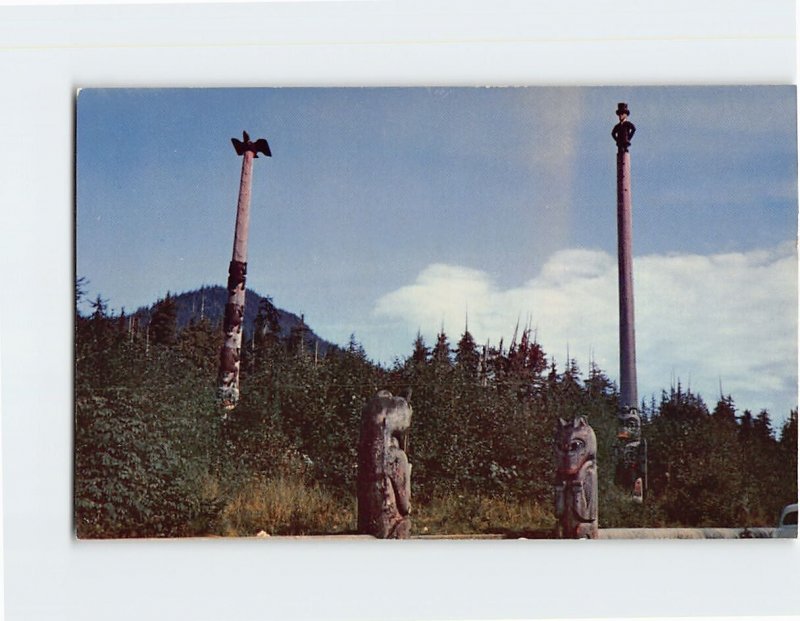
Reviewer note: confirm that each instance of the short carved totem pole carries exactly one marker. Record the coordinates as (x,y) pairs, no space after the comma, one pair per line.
(228,381)
(576,479)
(631,469)
(384,474)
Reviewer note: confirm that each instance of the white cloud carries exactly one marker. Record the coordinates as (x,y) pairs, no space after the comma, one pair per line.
(729,317)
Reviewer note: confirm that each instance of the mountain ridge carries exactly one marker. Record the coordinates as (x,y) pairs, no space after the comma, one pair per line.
(208,302)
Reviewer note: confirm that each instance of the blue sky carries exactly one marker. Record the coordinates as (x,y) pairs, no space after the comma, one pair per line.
(387,211)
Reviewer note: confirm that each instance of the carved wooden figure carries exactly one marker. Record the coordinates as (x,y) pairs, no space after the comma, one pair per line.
(631,470)
(228,381)
(576,479)
(624,130)
(384,474)
(631,454)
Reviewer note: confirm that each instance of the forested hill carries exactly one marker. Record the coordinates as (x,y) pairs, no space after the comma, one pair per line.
(209,303)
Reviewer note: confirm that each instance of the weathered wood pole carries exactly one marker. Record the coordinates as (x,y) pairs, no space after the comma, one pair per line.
(623,133)
(384,472)
(234,309)
(631,472)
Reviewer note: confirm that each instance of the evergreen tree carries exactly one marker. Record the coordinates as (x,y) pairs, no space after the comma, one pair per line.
(682,405)
(267,325)
(695,465)
(746,426)
(164,321)
(598,384)
(99,308)
(441,351)
(80,292)
(298,337)
(200,343)
(421,352)
(787,460)
(788,439)
(571,377)
(762,427)
(98,332)
(356,349)
(467,356)
(526,360)
(725,411)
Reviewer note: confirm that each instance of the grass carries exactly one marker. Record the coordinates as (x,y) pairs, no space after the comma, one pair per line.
(285,505)
(288,504)
(475,514)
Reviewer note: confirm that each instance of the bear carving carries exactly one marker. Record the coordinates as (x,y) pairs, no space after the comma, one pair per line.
(384,473)
(576,479)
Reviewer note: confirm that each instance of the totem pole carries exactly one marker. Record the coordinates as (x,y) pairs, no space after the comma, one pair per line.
(234,310)
(576,479)
(631,448)
(384,474)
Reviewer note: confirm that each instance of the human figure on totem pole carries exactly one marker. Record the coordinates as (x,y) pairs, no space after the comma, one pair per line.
(624,130)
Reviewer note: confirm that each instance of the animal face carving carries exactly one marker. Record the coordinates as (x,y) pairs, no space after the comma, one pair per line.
(575,445)
(631,453)
(392,415)
(575,486)
(630,425)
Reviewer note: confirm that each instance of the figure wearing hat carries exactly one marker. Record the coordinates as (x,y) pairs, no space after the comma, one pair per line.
(624,130)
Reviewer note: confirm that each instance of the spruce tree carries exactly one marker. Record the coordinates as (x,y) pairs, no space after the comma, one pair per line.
(441,351)
(421,352)
(725,411)
(164,321)
(267,323)
(298,336)
(467,356)
(788,438)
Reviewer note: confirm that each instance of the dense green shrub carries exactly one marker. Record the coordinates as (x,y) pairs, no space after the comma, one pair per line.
(142,446)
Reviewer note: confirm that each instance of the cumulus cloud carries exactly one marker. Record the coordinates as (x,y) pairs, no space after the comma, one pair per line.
(699,318)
